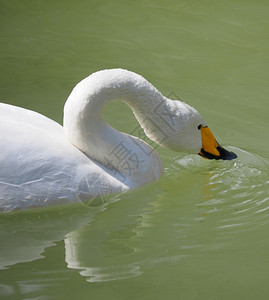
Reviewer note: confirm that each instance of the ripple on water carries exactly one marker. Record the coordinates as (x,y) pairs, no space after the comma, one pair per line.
(239,186)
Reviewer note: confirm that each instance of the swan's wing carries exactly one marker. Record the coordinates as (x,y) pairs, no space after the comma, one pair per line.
(39,167)
(17,115)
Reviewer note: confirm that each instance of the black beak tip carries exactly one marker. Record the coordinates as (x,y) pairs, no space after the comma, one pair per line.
(225,154)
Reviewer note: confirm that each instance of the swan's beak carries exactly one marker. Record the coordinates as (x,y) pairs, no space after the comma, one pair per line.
(211,149)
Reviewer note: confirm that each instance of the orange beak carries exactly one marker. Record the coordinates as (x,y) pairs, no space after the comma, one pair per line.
(211,149)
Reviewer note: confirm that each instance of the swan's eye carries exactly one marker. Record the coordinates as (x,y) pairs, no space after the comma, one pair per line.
(199,127)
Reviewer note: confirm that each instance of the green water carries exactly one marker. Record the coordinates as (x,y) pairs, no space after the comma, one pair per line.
(201,232)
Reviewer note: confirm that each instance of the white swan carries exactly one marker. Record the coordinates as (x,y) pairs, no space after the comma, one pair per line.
(43,163)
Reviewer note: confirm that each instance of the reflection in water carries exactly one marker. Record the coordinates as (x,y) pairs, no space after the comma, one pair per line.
(27,234)
(108,251)
(85,261)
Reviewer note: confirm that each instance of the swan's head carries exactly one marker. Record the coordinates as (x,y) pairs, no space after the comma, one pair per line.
(183,129)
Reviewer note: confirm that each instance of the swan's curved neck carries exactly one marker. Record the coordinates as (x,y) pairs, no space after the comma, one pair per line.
(86,129)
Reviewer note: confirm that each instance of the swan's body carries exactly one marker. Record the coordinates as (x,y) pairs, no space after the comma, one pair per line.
(43,163)
(40,167)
